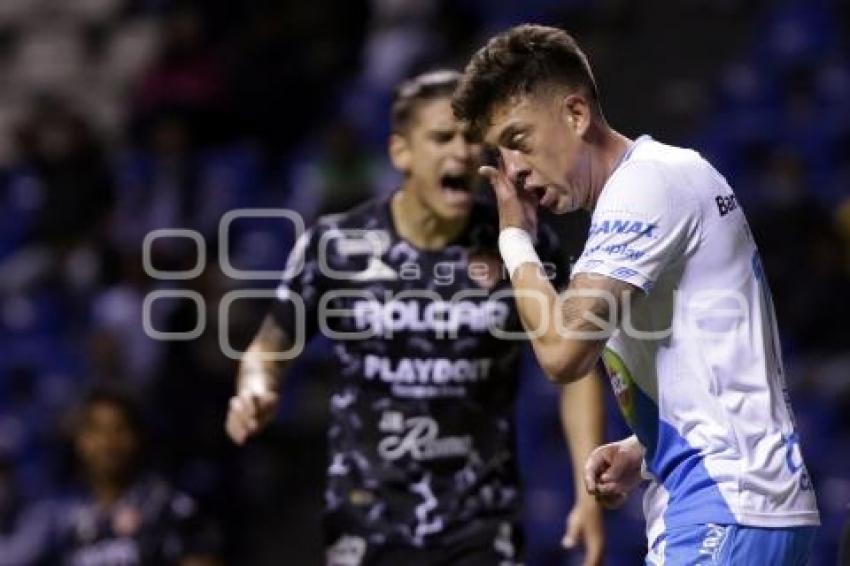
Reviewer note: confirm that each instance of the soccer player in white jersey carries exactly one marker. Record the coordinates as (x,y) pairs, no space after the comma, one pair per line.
(669,292)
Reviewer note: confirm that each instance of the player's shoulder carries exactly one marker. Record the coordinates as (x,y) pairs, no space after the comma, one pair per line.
(369,215)
(668,165)
(655,175)
(646,149)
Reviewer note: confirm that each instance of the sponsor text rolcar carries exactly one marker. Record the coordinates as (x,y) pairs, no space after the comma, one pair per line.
(438,316)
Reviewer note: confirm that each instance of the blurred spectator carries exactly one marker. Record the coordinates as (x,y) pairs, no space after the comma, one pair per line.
(187,77)
(802,251)
(124,514)
(70,195)
(62,151)
(156,184)
(288,56)
(119,347)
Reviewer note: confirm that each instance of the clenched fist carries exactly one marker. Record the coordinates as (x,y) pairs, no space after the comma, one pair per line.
(613,471)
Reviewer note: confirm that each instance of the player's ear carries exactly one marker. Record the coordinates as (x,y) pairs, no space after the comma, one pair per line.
(399,150)
(576,111)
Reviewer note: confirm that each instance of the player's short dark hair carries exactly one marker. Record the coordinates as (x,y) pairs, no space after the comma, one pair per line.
(517,62)
(412,92)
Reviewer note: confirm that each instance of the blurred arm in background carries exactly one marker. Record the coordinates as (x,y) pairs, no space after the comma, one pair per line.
(582,410)
(258,383)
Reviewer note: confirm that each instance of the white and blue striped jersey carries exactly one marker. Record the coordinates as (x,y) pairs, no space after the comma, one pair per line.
(696,363)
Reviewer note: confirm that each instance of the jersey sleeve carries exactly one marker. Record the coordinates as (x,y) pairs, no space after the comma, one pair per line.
(640,225)
(297,296)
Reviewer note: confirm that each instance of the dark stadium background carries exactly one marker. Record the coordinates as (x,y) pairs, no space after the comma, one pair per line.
(118,117)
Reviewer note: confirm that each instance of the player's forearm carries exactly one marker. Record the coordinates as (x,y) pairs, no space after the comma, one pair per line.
(582,407)
(563,355)
(260,366)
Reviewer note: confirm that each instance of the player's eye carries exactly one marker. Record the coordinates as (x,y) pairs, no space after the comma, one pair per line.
(443,137)
(519,142)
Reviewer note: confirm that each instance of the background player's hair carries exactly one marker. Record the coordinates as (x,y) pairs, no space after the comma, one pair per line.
(117,398)
(518,61)
(412,92)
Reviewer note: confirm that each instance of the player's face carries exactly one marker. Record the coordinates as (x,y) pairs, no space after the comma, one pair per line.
(106,443)
(439,160)
(541,149)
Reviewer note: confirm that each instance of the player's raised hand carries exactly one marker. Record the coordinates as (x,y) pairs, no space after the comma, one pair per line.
(613,471)
(253,406)
(516,207)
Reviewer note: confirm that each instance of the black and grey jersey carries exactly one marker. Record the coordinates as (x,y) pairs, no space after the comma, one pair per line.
(151,523)
(427,342)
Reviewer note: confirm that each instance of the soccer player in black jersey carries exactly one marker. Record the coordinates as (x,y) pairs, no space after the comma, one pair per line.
(124,516)
(422,466)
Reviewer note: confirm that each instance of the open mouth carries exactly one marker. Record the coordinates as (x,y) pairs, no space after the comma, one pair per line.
(539,193)
(547,196)
(457,188)
(456,182)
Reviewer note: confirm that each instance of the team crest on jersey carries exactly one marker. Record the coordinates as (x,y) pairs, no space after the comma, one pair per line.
(622,384)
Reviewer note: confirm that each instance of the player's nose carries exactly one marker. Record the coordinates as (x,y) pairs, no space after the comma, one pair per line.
(515,166)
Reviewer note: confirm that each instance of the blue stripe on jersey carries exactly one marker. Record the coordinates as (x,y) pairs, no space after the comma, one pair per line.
(694,495)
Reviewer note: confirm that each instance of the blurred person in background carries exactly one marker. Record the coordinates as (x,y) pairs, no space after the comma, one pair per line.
(188,77)
(124,513)
(422,457)
(69,195)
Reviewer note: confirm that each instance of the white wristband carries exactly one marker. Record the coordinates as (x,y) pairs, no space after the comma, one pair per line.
(516,247)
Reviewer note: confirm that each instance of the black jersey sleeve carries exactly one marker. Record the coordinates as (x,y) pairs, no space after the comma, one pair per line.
(297,298)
